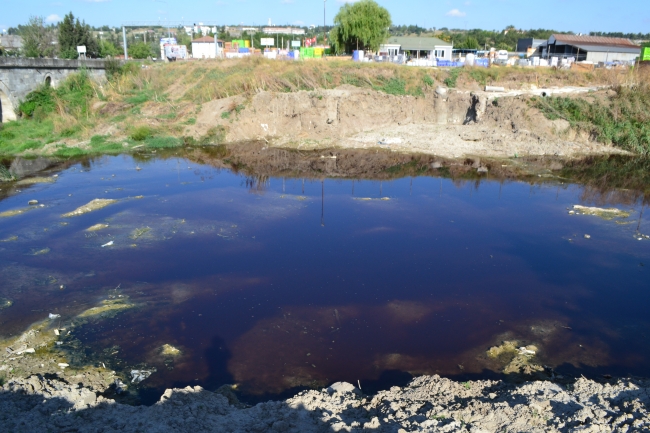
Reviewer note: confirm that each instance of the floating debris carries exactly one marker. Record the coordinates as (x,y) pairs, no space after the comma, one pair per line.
(63,365)
(138,376)
(120,387)
(587,236)
(527,352)
(32,202)
(108,244)
(96,204)
(10,239)
(35,180)
(97,227)
(606,214)
(54,316)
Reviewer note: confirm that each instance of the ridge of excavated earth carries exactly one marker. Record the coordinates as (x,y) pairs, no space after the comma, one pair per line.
(427,404)
(453,124)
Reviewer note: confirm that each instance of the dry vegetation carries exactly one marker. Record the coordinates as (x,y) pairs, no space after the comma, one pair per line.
(153,104)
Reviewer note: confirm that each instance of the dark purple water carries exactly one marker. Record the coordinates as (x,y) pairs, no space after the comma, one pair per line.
(273,288)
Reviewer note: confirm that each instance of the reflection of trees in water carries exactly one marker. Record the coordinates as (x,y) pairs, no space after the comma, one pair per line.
(258,183)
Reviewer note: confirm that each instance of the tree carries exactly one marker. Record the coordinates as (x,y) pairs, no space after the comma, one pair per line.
(140,50)
(360,25)
(73,34)
(37,39)
(107,48)
(470,44)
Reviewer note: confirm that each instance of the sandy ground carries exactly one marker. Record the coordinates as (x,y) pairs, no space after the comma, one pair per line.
(427,404)
(446,123)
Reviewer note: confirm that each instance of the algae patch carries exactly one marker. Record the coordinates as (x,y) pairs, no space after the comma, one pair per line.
(14,212)
(139,232)
(516,360)
(96,204)
(10,239)
(37,252)
(604,213)
(169,350)
(97,227)
(5,303)
(108,308)
(35,180)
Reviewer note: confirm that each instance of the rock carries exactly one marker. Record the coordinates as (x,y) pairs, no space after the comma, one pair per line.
(341,387)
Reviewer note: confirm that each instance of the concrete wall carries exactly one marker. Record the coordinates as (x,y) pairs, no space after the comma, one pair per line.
(19,76)
(610,57)
(203,50)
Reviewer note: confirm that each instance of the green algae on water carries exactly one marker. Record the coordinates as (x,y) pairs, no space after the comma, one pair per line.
(35,180)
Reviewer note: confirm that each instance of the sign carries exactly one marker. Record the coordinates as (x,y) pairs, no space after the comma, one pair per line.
(168,41)
(81,49)
(267,42)
(295,44)
(645,54)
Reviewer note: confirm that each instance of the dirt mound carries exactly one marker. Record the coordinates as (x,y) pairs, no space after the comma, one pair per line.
(453,125)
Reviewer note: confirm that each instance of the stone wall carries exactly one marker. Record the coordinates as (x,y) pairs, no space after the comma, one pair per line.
(19,76)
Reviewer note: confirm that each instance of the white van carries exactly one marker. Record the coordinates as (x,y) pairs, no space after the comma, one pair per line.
(501,57)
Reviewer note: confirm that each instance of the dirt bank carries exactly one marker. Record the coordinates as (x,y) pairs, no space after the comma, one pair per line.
(427,404)
(446,123)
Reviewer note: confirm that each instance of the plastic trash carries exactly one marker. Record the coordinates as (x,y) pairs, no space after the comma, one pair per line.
(63,365)
(524,351)
(138,376)
(54,316)
(107,244)
(120,387)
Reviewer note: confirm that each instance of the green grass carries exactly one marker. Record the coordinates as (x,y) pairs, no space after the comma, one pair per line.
(163,142)
(451,80)
(141,133)
(623,120)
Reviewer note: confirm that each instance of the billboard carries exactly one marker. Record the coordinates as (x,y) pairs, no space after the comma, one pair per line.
(168,41)
(267,42)
(645,54)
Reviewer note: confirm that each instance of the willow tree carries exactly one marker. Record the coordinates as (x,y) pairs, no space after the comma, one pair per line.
(362,25)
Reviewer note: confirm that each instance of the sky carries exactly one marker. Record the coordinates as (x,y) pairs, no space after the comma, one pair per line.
(580,16)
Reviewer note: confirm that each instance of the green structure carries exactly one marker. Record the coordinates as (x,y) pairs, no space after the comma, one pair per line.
(645,54)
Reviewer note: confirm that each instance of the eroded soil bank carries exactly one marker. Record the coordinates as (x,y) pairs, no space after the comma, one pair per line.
(427,404)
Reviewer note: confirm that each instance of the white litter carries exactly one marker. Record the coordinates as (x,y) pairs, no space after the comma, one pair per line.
(107,244)
(54,316)
(56,332)
(138,376)
(20,352)
(63,365)
(524,351)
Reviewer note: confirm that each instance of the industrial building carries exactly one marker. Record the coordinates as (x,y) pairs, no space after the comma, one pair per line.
(594,49)
(432,48)
(526,44)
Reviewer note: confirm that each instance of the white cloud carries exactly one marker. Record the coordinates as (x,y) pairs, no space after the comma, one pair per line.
(455,13)
(54,18)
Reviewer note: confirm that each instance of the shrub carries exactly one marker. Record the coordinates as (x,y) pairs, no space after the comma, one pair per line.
(141,133)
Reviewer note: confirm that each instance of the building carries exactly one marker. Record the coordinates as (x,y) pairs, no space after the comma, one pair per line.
(239,30)
(595,49)
(205,48)
(283,31)
(526,44)
(432,48)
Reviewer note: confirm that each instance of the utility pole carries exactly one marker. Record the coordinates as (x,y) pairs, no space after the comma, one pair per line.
(324,21)
(126,54)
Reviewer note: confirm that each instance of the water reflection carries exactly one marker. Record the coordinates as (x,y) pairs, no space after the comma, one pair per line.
(419,274)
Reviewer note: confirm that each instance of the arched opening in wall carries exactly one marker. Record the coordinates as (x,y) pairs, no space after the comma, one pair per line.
(48,81)
(6,108)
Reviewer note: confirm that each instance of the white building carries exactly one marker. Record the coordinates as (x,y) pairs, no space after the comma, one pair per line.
(593,49)
(205,48)
(415,47)
(283,31)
